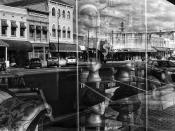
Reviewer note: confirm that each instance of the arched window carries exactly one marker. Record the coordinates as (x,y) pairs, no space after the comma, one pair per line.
(53,31)
(53,11)
(64,32)
(63,13)
(68,32)
(59,13)
(68,14)
(59,31)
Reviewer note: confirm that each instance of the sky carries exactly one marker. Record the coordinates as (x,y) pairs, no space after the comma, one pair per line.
(158,15)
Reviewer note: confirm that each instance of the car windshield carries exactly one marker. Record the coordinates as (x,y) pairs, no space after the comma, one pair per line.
(166,64)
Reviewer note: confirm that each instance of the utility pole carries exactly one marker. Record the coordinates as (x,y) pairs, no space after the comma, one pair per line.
(96,39)
(122,26)
(88,45)
(58,26)
(112,44)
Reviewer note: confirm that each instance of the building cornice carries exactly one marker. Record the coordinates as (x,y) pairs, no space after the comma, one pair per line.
(59,3)
(37,11)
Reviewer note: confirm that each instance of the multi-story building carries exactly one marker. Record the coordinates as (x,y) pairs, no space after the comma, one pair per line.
(13,32)
(38,24)
(61,26)
(60,22)
(136,43)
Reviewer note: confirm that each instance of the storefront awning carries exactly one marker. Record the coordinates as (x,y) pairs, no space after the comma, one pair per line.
(63,47)
(40,44)
(15,45)
(163,49)
(3,44)
(136,50)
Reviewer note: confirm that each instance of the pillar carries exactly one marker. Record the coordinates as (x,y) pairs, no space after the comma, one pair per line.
(33,52)
(6,60)
(5,53)
(44,53)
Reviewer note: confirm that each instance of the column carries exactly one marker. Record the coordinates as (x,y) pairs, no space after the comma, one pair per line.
(33,52)
(5,53)
(6,60)
(44,53)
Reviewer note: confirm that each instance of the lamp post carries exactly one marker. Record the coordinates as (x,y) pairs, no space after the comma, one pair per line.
(58,15)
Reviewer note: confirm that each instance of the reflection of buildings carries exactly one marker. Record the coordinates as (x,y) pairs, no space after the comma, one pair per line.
(134,43)
(59,22)
(13,32)
(38,24)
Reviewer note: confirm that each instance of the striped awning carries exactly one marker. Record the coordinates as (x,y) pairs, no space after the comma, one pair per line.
(163,49)
(134,50)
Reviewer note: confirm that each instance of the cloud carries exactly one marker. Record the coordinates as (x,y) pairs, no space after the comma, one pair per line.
(160,15)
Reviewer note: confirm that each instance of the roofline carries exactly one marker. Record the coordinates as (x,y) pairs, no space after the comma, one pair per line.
(37,11)
(66,4)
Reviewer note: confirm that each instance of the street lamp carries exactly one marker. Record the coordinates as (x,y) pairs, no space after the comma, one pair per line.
(58,26)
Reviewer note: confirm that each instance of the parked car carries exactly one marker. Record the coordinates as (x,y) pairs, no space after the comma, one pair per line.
(22,109)
(160,72)
(71,60)
(171,58)
(35,62)
(52,61)
(62,62)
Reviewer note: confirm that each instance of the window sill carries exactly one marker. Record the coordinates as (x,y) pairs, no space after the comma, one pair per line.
(4,35)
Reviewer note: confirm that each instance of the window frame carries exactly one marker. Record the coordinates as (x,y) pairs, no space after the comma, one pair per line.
(53,11)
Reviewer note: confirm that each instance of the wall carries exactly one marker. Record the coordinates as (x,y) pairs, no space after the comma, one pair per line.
(62,22)
(16,14)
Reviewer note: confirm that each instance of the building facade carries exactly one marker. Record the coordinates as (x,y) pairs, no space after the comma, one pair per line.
(60,30)
(136,43)
(13,32)
(37,33)
(61,27)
